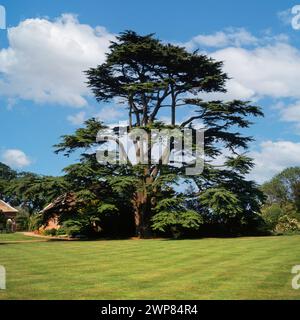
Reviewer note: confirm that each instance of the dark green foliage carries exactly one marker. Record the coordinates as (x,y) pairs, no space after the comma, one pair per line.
(61,232)
(83,138)
(103,193)
(228,202)
(176,222)
(50,232)
(6,175)
(76,227)
(34,192)
(221,202)
(149,75)
(146,73)
(173,216)
(22,220)
(2,221)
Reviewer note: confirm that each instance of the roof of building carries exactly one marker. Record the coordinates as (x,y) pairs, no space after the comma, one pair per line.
(66,202)
(6,208)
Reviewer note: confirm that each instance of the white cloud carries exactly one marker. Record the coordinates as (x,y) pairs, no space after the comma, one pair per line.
(291,113)
(77,119)
(266,71)
(15,158)
(273,158)
(270,158)
(235,90)
(45,60)
(266,66)
(230,37)
(106,114)
(110,113)
(285,16)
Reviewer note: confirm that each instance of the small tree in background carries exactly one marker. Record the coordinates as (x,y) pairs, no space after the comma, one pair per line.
(282,207)
(6,176)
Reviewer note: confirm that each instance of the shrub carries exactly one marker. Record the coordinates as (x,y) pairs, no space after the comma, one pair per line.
(282,219)
(50,232)
(176,222)
(287,225)
(2,221)
(73,228)
(271,215)
(23,220)
(61,232)
(35,222)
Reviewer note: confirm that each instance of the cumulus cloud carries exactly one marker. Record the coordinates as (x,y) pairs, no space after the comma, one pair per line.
(230,37)
(270,158)
(77,119)
(274,157)
(15,158)
(45,60)
(291,113)
(291,16)
(285,16)
(258,67)
(107,113)
(110,113)
(264,71)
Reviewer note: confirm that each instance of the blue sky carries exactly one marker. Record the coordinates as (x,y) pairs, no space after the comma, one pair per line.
(49,43)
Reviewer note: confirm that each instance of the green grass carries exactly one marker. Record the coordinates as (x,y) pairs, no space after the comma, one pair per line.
(245,268)
(9,237)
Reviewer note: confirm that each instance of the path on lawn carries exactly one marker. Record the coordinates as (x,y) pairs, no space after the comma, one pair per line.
(32,234)
(39,238)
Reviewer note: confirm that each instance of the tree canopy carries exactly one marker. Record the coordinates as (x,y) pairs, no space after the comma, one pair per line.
(147,76)
(284,187)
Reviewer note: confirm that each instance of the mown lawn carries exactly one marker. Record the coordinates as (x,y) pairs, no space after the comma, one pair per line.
(245,268)
(11,237)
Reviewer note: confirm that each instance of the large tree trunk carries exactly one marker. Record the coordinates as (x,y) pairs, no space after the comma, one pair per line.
(144,200)
(142,214)
(142,203)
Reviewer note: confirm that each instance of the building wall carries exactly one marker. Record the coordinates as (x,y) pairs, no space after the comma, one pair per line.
(52,224)
(10,215)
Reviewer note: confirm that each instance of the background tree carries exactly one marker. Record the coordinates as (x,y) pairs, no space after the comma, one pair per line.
(282,207)
(30,193)
(6,175)
(284,187)
(33,192)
